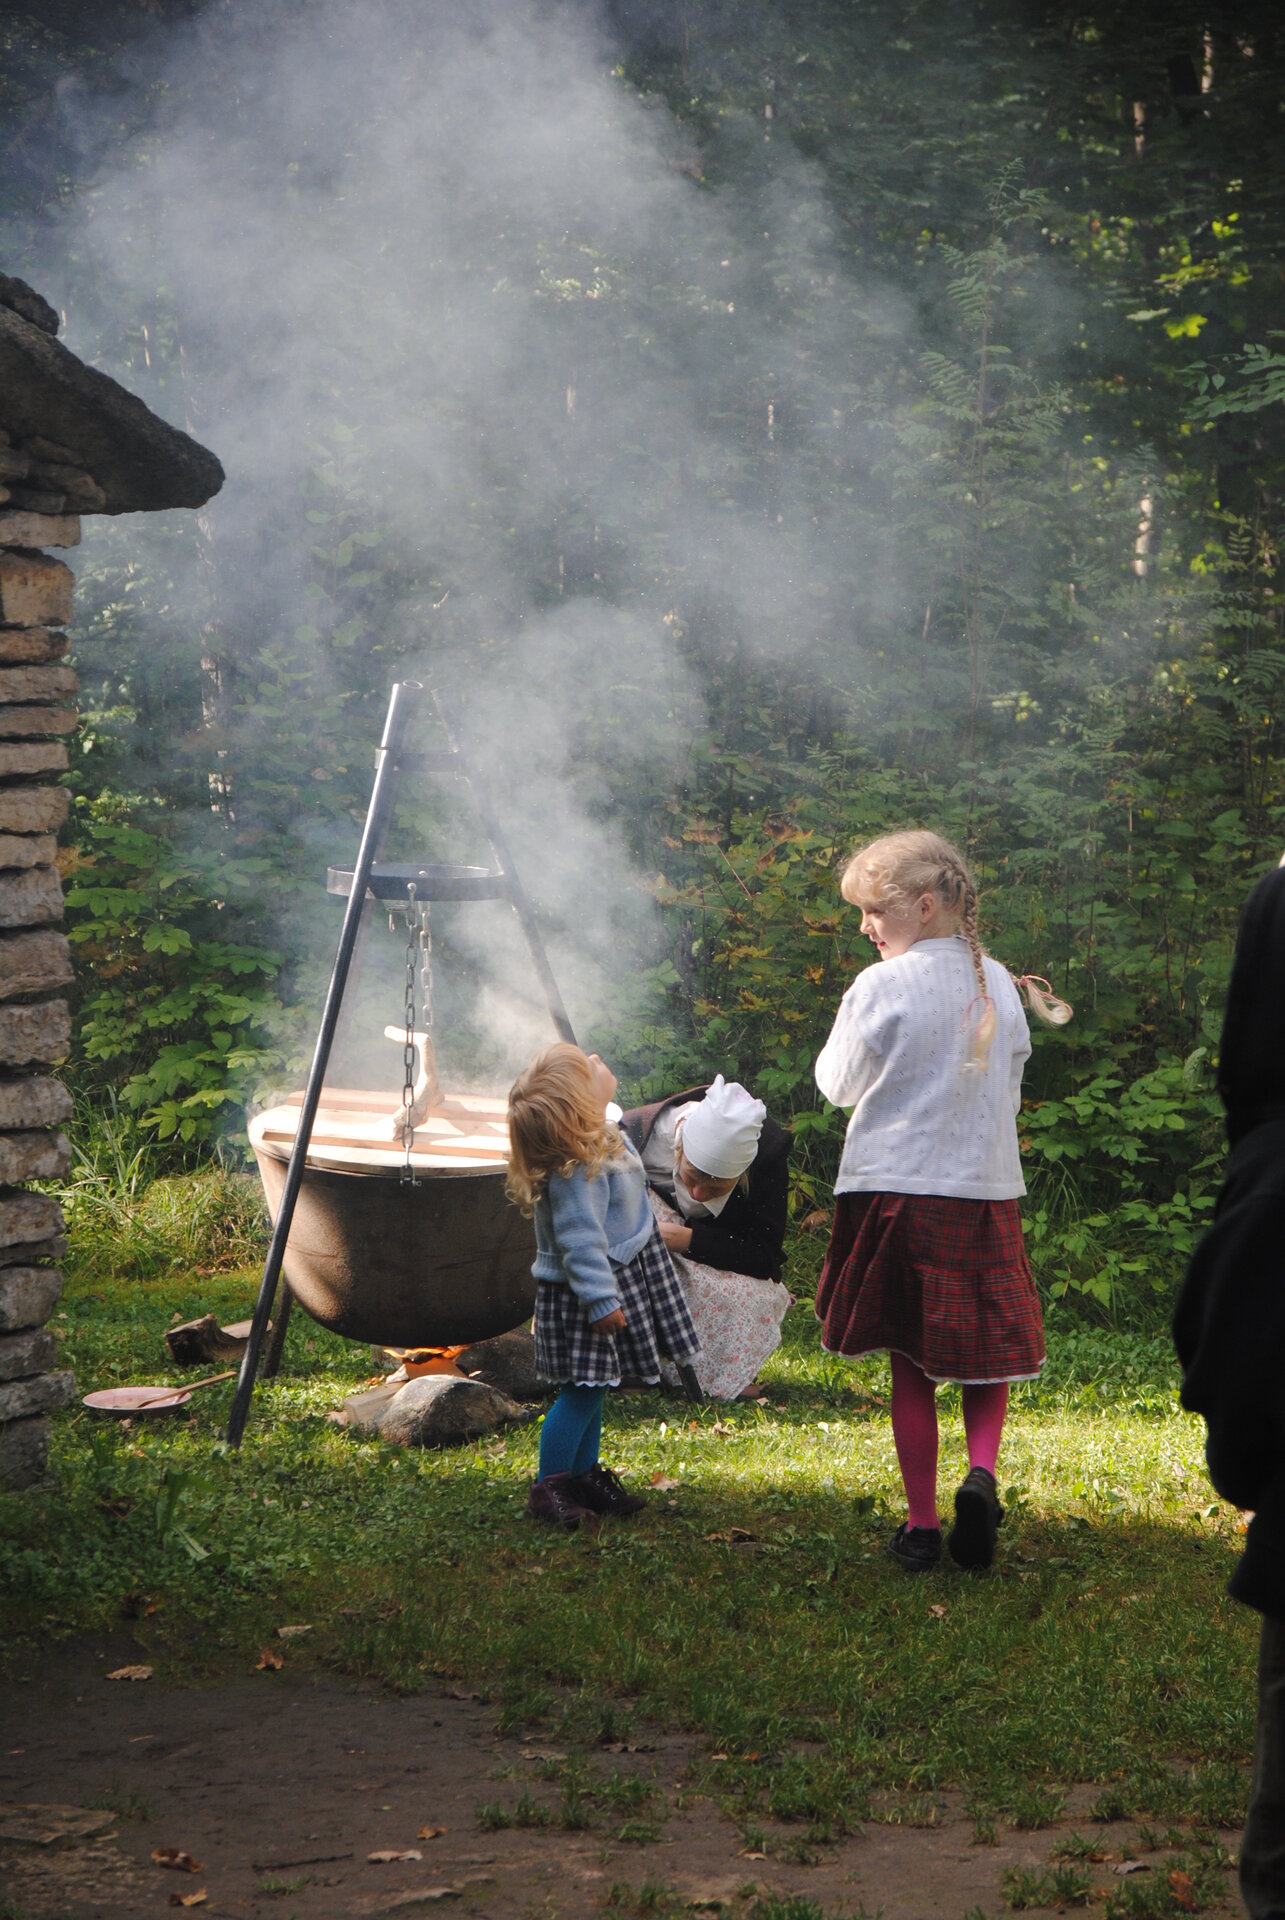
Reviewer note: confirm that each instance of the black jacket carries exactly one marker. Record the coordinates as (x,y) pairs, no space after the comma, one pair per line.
(749,1233)
(1229,1325)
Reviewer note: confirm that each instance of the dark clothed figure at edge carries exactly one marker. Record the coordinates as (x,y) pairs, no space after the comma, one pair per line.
(1229,1329)
(748,1236)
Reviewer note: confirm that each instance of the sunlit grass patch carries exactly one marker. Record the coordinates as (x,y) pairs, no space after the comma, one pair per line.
(753,1604)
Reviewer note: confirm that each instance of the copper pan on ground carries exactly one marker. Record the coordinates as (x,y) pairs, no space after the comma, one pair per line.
(125,1401)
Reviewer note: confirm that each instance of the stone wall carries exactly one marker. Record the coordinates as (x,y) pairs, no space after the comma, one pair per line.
(71,441)
(37,482)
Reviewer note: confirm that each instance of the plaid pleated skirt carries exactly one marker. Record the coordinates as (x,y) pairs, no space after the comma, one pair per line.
(944,1281)
(569,1351)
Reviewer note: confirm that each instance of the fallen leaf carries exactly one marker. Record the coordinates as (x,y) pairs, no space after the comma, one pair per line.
(268,1661)
(462,1693)
(1131,1866)
(293,1633)
(131,1673)
(384,1856)
(429,1833)
(664,1482)
(722,1426)
(937,1611)
(197,1899)
(176,1858)
(1180,1885)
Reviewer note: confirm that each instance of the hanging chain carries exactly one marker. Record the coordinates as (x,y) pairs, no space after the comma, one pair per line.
(409,1057)
(426,969)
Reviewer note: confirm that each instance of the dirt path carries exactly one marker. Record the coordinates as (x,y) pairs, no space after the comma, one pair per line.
(282,1784)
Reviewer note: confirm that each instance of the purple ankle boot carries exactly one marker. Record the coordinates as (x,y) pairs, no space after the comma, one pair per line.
(555,1499)
(601,1491)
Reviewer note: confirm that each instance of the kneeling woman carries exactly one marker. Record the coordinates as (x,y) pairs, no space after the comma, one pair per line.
(718,1170)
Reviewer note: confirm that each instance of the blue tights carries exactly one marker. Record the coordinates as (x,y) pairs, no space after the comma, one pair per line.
(572,1431)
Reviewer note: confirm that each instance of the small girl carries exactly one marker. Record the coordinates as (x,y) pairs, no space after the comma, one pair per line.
(608,1301)
(925,1255)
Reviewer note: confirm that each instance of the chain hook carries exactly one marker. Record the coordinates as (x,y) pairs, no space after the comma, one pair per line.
(409,1060)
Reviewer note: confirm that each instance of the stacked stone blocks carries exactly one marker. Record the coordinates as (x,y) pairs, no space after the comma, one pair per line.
(36,690)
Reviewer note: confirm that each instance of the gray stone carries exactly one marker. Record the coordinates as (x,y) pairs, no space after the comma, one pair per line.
(36,723)
(31,756)
(33,1156)
(439,1411)
(35,591)
(33,809)
(35,499)
(30,1253)
(19,1399)
(25,1217)
(138,461)
(18,529)
(38,1036)
(19,851)
(36,1102)
(33,963)
(24,1453)
(42,682)
(25,300)
(28,1295)
(78,489)
(506,1362)
(32,1351)
(20,645)
(30,899)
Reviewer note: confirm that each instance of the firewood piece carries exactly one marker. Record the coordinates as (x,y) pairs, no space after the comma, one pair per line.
(198,1341)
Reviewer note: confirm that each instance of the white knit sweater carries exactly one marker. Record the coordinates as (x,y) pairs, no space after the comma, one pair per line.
(923,1120)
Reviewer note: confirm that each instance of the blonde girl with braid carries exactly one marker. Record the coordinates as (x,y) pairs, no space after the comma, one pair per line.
(925,1258)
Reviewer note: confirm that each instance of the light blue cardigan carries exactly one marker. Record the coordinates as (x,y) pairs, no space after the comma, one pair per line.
(585,1226)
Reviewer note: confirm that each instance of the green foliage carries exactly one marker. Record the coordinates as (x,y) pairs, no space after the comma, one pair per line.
(178,1011)
(1054,628)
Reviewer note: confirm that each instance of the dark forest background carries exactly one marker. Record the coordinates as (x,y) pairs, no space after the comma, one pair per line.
(1025,396)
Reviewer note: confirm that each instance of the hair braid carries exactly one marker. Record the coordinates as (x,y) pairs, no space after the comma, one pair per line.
(968,927)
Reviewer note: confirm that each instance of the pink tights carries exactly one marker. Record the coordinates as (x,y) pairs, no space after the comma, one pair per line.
(914,1431)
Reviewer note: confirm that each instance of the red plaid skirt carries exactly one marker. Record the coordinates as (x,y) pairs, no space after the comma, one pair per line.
(946,1282)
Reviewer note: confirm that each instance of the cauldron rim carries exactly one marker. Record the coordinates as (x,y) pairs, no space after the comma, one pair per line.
(324,1158)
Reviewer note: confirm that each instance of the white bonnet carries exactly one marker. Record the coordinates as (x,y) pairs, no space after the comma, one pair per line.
(721,1133)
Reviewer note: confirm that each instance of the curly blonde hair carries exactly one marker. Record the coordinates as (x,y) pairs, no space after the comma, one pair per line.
(556,1123)
(898,869)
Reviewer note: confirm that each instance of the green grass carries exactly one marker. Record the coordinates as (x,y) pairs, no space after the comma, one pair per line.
(817,1675)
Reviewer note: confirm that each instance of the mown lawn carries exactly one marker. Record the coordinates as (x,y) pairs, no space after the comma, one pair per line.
(753,1602)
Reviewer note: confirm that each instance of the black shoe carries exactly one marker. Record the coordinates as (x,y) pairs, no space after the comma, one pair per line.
(552,1500)
(601,1491)
(917,1549)
(977,1517)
